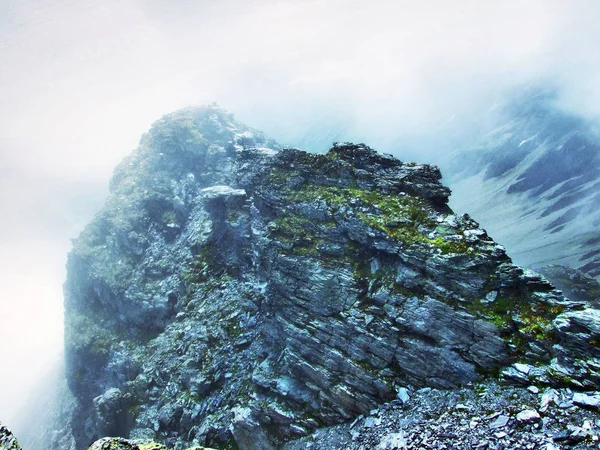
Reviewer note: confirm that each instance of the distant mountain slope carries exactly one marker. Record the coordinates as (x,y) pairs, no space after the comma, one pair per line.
(533,181)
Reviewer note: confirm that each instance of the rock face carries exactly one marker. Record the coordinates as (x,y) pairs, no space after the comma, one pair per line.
(235,293)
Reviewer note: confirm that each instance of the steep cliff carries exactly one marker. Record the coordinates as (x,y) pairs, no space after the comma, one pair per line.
(233,293)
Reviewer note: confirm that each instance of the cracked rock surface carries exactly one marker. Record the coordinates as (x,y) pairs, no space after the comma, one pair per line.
(483,416)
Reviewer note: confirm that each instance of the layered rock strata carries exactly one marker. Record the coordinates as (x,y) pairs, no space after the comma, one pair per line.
(232,292)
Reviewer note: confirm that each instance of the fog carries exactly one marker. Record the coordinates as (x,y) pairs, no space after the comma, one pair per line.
(80,81)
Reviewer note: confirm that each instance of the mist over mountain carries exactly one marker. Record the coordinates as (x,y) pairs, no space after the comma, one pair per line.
(532,180)
(81,81)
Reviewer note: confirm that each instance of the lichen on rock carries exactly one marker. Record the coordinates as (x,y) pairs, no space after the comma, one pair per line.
(116,443)
(7,440)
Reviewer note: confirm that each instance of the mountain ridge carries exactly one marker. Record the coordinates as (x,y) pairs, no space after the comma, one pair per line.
(236,293)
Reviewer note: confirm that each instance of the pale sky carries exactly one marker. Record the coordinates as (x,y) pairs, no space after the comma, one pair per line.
(80,80)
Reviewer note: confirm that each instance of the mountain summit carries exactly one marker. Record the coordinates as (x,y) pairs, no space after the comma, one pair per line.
(235,293)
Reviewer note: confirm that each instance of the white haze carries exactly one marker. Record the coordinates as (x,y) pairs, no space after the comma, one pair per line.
(80,81)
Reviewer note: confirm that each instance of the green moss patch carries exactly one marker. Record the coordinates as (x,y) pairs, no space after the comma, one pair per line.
(519,320)
(404,218)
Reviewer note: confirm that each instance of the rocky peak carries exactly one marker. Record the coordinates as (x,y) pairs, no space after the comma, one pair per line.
(232,292)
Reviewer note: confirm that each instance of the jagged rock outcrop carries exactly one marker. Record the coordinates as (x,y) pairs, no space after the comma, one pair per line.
(233,291)
(7,440)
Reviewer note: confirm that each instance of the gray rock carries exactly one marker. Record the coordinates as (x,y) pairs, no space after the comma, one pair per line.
(523,368)
(214,192)
(587,400)
(403,395)
(499,422)
(371,422)
(549,397)
(433,421)
(247,432)
(112,414)
(578,331)
(528,416)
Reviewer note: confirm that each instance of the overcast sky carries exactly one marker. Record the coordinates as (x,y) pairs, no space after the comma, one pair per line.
(80,80)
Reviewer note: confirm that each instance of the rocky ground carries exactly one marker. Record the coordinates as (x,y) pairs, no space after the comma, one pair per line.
(483,416)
